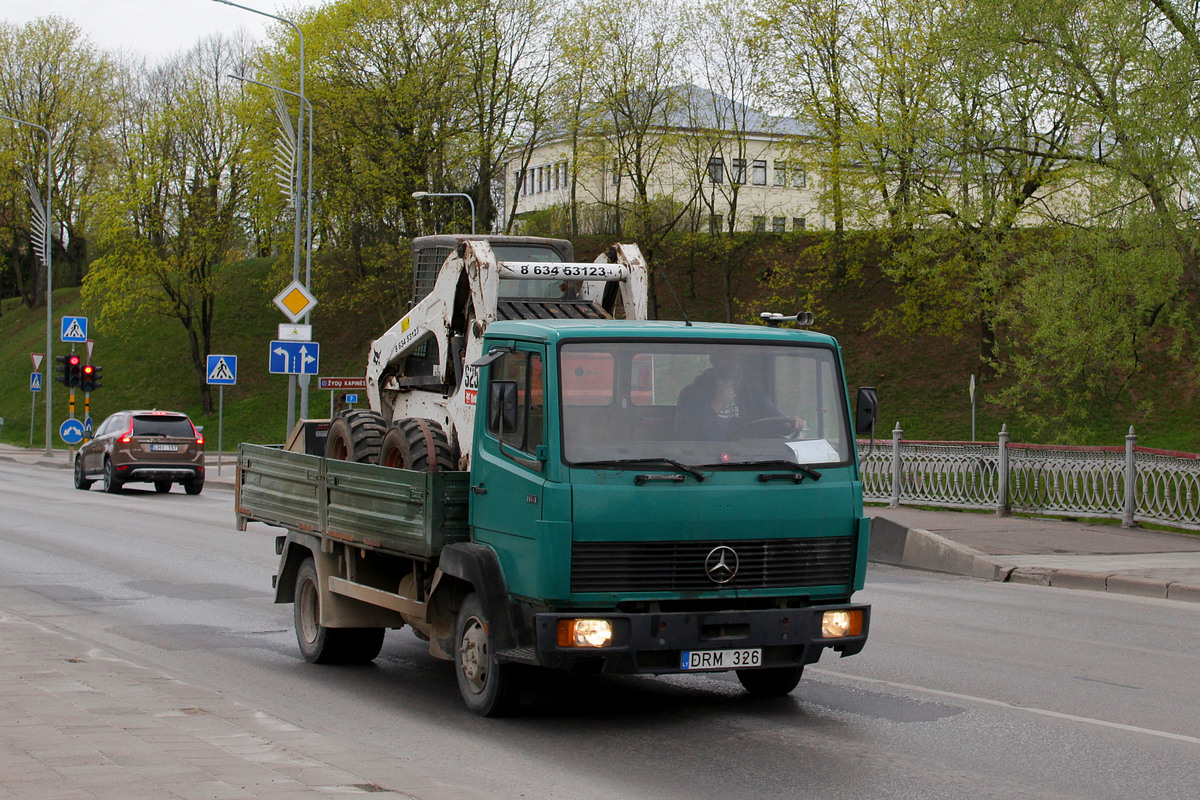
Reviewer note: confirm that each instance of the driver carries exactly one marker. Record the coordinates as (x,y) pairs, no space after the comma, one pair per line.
(719,402)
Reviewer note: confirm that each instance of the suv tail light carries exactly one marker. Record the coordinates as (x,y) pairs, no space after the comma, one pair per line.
(199,436)
(128,435)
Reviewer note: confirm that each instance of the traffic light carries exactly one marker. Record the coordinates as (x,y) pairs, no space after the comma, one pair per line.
(90,379)
(70,371)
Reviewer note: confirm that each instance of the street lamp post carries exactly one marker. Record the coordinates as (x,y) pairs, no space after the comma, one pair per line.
(419,195)
(299,178)
(47,259)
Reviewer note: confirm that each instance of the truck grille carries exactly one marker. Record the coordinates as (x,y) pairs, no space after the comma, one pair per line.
(680,566)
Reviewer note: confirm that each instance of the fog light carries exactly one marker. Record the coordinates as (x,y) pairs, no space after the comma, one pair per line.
(584,632)
(836,624)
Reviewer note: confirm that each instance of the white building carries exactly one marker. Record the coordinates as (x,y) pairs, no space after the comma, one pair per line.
(712,159)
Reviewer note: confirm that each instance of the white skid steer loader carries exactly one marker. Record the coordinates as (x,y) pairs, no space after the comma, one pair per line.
(421,378)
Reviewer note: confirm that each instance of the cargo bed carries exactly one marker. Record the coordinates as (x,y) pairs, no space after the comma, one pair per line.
(398,511)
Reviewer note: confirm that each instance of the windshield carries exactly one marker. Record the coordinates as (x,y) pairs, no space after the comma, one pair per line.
(702,403)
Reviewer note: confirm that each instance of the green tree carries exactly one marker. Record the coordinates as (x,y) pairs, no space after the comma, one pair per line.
(51,75)
(168,216)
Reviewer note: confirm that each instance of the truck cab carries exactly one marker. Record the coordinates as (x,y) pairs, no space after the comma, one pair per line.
(668,497)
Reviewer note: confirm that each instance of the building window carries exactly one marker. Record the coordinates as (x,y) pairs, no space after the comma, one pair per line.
(780,172)
(800,177)
(779,224)
(714,223)
(557,179)
(758,173)
(517,181)
(716,169)
(738,168)
(797,223)
(760,224)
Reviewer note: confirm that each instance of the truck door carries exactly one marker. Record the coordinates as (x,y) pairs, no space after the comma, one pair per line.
(508,470)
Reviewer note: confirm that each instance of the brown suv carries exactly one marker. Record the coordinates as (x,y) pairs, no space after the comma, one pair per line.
(159,447)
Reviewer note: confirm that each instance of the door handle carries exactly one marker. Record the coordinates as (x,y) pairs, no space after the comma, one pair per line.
(480,489)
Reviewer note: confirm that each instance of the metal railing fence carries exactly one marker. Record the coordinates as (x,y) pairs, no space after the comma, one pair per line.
(1133,484)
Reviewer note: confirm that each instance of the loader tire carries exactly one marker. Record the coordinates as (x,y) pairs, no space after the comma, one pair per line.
(355,435)
(416,444)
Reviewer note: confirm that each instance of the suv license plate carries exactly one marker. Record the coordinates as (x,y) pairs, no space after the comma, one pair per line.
(164,448)
(720,659)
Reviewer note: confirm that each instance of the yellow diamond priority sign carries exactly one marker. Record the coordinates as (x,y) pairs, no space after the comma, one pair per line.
(295,301)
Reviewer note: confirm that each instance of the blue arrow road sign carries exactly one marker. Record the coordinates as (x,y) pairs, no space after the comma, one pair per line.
(87,427)
(71,431)
(74,329)
(35,381)
(222,370)
(295,358)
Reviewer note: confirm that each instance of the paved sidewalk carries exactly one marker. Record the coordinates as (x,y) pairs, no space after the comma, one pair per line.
(1043,551)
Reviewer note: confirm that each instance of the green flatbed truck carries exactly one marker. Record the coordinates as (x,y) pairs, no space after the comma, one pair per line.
(641,497)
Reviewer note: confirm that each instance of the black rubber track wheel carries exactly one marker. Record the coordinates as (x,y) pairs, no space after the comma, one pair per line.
(416,444)
(355,435)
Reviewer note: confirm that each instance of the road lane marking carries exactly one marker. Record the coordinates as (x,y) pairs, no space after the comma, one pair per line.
(967,698)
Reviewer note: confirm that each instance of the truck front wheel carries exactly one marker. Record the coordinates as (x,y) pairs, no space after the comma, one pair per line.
(771,681)
(321,645)
(488,687)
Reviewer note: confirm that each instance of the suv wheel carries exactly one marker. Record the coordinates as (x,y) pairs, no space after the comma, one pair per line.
(80,481)
(193,486)
(112,484)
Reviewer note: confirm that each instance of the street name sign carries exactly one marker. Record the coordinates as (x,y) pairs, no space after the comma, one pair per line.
(350,384)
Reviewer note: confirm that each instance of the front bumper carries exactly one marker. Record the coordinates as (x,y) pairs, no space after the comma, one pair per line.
(652,643)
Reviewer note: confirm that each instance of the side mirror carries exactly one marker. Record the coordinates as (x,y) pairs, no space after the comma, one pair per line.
(502,406)
(868,411)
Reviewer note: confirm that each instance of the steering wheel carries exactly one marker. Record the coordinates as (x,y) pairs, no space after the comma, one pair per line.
(764,428)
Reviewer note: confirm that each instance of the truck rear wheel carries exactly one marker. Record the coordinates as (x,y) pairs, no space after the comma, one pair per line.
(488,687)
(417,444)
(321,645)
(771,681)
(355,435)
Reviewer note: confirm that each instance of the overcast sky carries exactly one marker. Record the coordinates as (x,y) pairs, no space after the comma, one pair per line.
(151,27)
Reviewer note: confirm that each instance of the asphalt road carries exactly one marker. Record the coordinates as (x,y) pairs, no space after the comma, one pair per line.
(967,688)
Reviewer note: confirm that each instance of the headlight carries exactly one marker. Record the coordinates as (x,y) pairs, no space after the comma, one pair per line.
(584,632)
(837,624)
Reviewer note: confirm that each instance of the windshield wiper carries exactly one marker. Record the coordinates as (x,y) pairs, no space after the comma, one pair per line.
(777,463)
(670,462)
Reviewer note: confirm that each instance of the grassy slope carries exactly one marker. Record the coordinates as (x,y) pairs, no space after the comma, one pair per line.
(922,383)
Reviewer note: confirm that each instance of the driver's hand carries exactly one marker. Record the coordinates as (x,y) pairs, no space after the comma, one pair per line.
(799,426)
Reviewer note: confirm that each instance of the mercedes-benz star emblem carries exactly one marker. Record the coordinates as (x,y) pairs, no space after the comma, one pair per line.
(721,564)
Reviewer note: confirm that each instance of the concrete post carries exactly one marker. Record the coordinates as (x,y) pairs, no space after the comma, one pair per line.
(897,435)
(1130,479)
(1003,505)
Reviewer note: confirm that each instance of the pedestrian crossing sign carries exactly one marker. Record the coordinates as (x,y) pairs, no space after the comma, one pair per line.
(74,329)
(222,370)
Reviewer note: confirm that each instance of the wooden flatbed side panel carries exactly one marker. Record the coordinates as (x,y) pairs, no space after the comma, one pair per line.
(396,510)
(279,487)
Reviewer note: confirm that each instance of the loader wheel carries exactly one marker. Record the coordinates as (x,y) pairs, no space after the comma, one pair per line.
(321,645)
(417,444)
(355,435)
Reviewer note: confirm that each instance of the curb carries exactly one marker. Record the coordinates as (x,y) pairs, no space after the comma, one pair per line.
(914,548)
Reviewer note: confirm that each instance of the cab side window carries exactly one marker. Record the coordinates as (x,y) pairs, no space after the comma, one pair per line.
(523,374)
